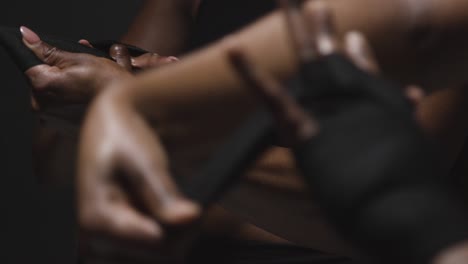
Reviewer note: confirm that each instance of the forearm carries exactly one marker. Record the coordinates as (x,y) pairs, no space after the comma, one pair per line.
(162,26)
(391,31)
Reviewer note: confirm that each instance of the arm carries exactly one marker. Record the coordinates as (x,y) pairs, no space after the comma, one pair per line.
(394,205)
(186,108)
(209,81)
(162,26)
(392,32)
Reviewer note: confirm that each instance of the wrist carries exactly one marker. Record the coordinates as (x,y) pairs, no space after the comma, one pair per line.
(112,81)
(457,254)
(121,94)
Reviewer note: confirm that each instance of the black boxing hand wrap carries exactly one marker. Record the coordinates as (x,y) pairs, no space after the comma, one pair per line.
(372,169)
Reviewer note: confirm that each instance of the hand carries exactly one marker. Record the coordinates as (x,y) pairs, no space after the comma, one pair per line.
(294,124)
(69,77)
(125,190)
(66,77)
(143,62)
(297,126)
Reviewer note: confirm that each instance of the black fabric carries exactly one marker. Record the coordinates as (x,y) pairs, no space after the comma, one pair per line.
(11,41)
(372,169)
(234,157)
(219,249)
(24,58)
(229,161)
(232,251)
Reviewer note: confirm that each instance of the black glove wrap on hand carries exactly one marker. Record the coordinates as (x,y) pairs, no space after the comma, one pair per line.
(372,169)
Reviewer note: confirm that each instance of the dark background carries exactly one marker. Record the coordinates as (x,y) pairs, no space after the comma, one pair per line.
(37,222)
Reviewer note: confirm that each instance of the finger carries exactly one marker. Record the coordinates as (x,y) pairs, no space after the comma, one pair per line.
(297,28)
(34,104)
(104,208)
(147,172)
(322,28)
(152,183)
(121,55)
(127,223)
(294,122)
(360,52)
(46,82)
(415,94)
(151,60)
(85,43)
(113,216)
(43,76)
(45,52)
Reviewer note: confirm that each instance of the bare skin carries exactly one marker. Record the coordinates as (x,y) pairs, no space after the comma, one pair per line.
(137,150)
(66,78)
(175,102)
(64,66)
(162,26)
(296,126)
(166,107)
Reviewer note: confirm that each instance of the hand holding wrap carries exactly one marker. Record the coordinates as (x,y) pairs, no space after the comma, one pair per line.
(371,167)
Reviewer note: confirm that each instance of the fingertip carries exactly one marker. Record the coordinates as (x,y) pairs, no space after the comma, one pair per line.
(135,226)
(172,59)
(415,94)
(30,37)
(355,37)
(85,43)
(358,43)
(118,50)
(151,231)
(167,60)
(321,19)
(354,45)
(121,55)
(180,212)
(360,52)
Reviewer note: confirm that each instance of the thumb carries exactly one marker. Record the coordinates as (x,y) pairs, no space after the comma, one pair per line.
(121,55)
(45,52)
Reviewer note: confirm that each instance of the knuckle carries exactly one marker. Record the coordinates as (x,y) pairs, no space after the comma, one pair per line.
(51,55)
(40,82)
(119,51)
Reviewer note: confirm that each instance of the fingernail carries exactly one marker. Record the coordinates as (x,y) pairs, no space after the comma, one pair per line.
(172,59)
(325,28)
(29,36)
(355,43)
(118,50)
